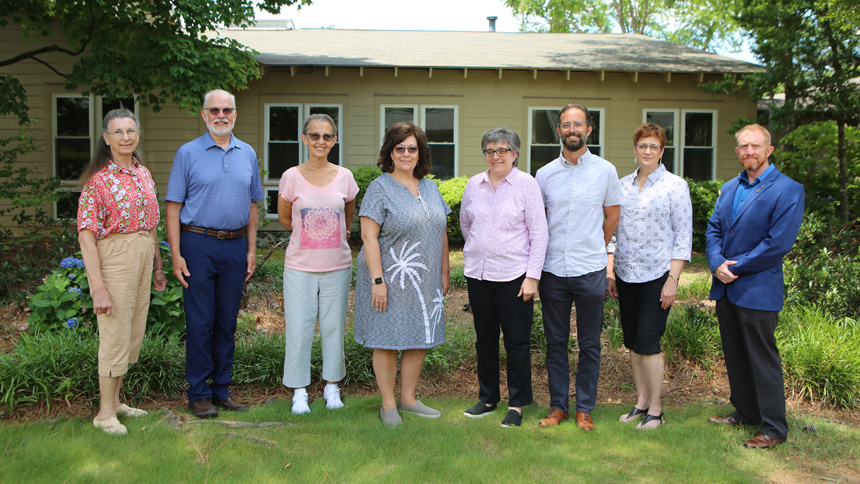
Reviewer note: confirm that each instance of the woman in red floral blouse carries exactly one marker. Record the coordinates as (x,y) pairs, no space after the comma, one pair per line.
(117,215)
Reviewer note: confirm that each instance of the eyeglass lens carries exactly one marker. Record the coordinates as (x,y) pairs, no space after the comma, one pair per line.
(500,151)
(402,149)
(226,111)
(316,136)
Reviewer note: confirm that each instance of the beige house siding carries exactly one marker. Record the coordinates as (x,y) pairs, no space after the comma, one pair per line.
(482,98)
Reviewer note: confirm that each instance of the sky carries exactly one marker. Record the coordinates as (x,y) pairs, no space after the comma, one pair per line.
(456,15)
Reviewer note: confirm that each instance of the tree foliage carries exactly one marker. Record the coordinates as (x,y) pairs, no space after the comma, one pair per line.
(811,51)
(702,24)
(160,50)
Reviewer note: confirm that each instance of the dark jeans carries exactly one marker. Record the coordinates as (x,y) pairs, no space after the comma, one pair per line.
(211,302)
(754,366)
(557,294)
(643,319)
(495,306)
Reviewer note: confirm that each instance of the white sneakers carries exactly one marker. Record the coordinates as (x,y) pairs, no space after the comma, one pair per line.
(300,401)
(331,395)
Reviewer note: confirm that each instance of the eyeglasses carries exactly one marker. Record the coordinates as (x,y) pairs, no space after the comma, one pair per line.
(644,147)
(576,125)
(130,132)
(226,111)
(500,151)
(316,137)
(403,149)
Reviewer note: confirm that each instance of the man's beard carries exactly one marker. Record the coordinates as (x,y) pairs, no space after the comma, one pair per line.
(575,144)
(221,129)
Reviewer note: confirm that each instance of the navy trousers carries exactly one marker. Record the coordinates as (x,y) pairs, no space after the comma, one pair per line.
(212,301)
(754,367)
(557,294)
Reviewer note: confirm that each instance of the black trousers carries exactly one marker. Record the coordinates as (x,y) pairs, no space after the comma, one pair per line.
(495,306)
(754,366)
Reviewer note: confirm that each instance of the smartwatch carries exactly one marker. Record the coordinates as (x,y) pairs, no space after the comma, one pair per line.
(378,280)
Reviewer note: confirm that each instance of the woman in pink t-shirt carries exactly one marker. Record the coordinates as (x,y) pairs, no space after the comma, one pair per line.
(316,202)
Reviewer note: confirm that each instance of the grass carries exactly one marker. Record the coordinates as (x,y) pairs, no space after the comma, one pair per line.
(352,446)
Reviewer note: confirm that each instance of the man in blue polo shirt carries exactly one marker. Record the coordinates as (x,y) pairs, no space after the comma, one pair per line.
(754,224)
(211,224)
(582,196)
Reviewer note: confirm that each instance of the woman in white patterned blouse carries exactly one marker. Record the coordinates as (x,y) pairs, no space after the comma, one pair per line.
(651,245)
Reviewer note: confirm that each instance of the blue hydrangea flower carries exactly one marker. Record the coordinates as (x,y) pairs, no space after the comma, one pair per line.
(72,276)
(68,262)
(80,264)
(76,290)
(164,243)
(71,322)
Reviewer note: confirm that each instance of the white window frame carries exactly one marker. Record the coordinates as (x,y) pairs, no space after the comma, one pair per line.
(419,118)
(681,129)
(415,114)
(601,130)
(304,109)
(69,185)
(676,143)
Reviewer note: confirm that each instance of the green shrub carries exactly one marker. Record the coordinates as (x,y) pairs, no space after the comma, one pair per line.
(458,279)
(612,323)
(826,280)
(364,174)
(458,350)
(62,364)
(703,196)
(64,301)
(452,191)
(821,356)
(694,334)
(259,358)
(694,290)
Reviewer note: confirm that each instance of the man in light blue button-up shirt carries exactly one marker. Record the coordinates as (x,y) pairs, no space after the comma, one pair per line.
(582,196)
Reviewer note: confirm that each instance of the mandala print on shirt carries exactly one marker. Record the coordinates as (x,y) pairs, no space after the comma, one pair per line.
(320,228)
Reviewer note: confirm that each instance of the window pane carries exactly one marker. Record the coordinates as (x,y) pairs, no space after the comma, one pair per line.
(594,137)
(697,129)
(67,207)
(281,157)
(283,123)
(439,125)
(398,115)
(125,102)
(697,163)
(272,202)
(330,110)
(543,127)
(442,157)
(669,159)
(73,116)
(541,155)
(73,154)
(665,121)
(595,150)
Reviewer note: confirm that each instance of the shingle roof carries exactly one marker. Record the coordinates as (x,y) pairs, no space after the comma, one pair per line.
(481,50)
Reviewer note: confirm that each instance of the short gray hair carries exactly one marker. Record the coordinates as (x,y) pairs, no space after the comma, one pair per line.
(213,91)
(502,135)
(319,117)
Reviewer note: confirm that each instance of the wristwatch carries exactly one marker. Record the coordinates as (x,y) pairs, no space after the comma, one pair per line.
(378,280)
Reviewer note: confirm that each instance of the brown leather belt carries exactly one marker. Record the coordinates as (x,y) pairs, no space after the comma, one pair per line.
(218,234)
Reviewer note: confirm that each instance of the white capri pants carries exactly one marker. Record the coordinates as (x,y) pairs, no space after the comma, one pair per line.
(308,297)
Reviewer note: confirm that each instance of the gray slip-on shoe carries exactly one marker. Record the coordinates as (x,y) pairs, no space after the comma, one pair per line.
(419,409)
(390,417)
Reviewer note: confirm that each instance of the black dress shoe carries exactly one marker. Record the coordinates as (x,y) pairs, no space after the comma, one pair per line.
(229,404)
(203,408)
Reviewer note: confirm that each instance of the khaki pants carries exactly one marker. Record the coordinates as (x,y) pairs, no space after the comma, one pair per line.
(126,267)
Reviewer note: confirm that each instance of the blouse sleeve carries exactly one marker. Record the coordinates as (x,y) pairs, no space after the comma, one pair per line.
(681,213)
(352,186)
(373,203)
(286,188)
(89,208)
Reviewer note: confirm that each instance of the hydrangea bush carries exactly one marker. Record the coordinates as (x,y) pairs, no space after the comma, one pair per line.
(63,302)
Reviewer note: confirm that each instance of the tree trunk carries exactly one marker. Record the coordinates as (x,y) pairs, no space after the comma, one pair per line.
(843,171)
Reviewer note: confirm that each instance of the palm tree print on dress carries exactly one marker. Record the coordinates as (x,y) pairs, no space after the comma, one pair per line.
(404,266)
(438,310)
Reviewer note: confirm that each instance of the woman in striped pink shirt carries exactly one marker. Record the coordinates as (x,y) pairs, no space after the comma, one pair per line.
(504,224)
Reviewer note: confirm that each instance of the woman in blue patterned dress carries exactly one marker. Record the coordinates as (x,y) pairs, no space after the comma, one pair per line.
(402,269)
(651,245)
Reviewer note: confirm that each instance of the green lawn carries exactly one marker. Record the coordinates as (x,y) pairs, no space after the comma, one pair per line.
(351,445)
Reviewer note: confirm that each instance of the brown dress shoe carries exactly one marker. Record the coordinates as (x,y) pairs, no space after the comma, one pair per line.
(584,422)
(730,420)
(762,441)
(203,408)
(229,404)
(555,417)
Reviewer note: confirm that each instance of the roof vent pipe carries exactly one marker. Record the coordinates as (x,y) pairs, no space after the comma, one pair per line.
(492,20)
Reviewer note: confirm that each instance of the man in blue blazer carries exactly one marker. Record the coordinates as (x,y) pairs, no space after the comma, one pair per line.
(754,225)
